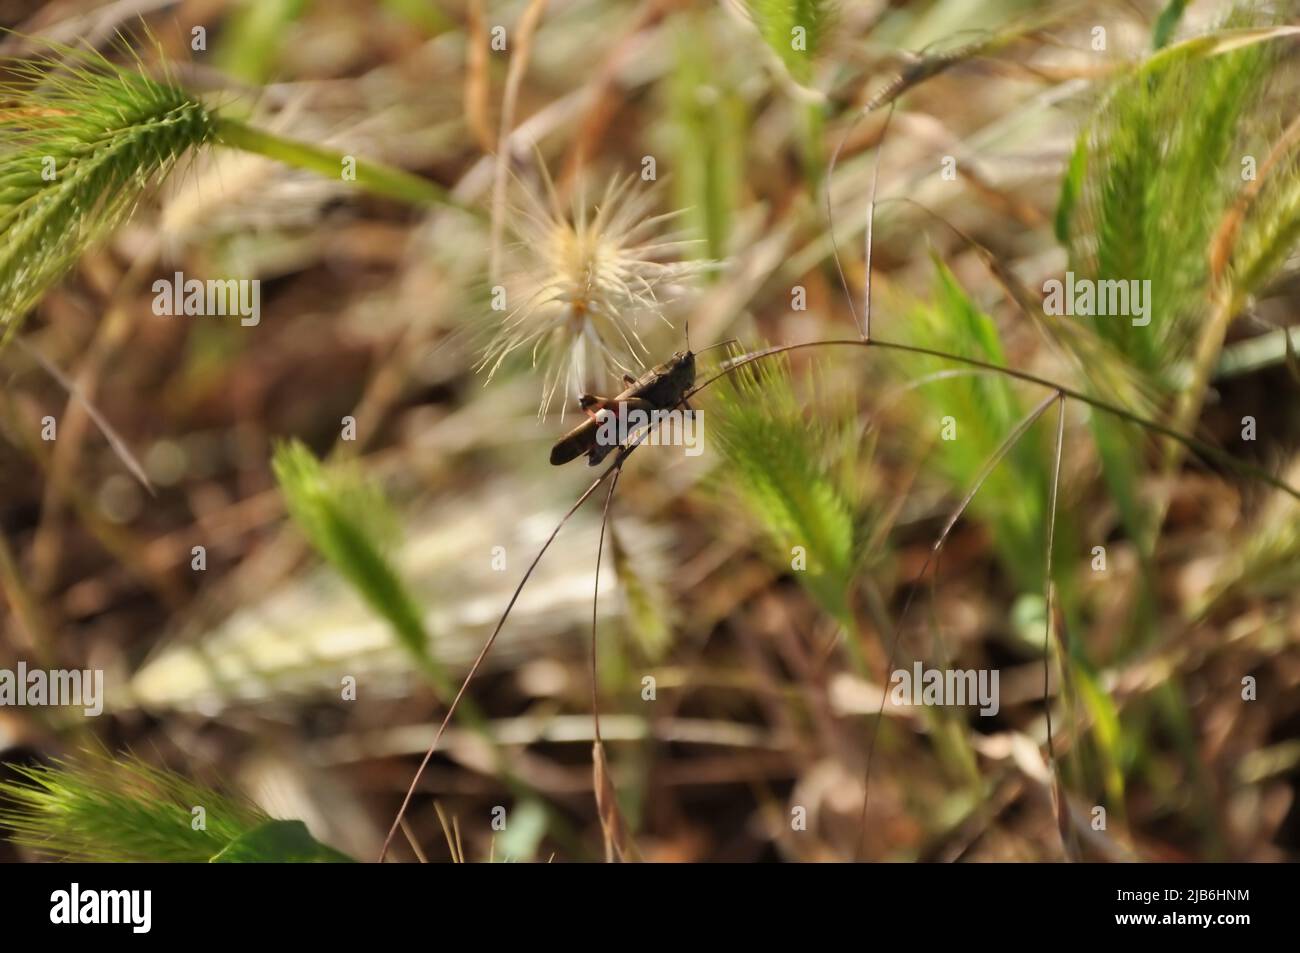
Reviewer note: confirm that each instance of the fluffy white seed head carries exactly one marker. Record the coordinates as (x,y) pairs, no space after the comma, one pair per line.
(588,281)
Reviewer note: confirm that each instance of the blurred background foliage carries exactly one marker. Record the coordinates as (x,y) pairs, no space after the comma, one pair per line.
(1108,139)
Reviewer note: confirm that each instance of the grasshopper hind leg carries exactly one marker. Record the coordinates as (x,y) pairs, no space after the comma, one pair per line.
(598,453)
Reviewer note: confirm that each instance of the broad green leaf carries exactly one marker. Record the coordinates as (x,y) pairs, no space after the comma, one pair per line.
(279,842)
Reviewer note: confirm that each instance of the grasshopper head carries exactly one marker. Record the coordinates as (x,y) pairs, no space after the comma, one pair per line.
(683,364)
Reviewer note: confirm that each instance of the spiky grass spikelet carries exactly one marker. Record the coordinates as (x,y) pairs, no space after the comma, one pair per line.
(589,282)
(351,524)
(81,139)
(792,471)
(1153,173)
(795,30)
(97,808)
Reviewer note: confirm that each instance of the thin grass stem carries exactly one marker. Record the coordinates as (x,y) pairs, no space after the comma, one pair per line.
(1003,449)
(491,640)
(1047,606)
(375,177)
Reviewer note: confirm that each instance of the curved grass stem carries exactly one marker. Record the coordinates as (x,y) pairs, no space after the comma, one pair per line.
(1210,452)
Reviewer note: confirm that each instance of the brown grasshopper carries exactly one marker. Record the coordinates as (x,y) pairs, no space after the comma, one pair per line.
(660,388)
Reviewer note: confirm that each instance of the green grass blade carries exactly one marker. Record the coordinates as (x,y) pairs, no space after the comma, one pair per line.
(279,842)
(1167,23)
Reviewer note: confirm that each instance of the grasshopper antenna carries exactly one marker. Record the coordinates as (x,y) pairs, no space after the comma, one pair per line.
(712,346)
